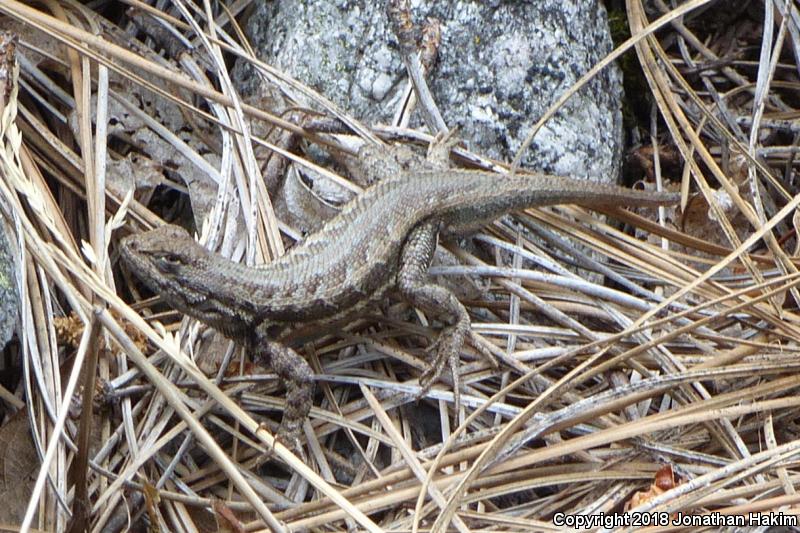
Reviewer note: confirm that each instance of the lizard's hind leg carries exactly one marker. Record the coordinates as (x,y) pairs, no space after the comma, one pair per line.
(414,286)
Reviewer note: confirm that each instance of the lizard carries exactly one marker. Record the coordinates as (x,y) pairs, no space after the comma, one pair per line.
(382,240)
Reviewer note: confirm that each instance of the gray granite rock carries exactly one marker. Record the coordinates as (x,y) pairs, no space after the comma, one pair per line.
(9,300)
(500,65)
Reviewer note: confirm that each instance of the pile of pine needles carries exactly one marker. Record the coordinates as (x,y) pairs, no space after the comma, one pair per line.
(670,387)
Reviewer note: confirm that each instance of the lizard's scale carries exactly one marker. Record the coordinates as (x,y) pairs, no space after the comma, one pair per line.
(381,239)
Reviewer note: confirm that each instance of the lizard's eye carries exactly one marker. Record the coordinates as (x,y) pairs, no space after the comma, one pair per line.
(168,261)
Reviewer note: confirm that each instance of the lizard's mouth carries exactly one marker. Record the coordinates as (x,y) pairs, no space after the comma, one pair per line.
(130,251)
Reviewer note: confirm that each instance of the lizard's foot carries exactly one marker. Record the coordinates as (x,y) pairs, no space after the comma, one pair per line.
(290,438)
(434,370)
(298,404)
(447,347)
(441,146)
(295,373)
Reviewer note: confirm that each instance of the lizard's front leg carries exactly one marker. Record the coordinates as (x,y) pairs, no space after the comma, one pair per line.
(296,374)
(414,286)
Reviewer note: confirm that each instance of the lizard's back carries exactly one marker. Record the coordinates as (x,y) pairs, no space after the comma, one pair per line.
(356,253)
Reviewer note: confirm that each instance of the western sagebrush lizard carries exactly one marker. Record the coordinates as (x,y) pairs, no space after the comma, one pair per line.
(383,239)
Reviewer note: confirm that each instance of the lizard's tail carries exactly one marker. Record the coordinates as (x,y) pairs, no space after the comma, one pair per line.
(485,196)
(553,190)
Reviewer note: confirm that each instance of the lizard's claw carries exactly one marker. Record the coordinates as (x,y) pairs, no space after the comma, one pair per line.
(269,449)
(480,345)
(288,438)
(447,347)
(431,374)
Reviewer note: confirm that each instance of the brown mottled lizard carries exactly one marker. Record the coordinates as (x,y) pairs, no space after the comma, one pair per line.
(383,239)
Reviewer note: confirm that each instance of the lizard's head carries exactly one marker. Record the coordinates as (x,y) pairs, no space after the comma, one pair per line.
(170,263)
(190,278)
